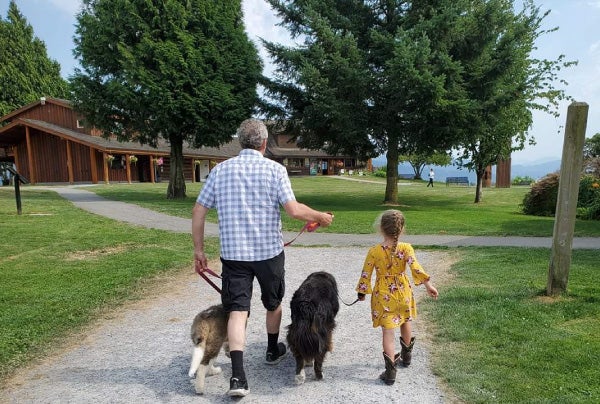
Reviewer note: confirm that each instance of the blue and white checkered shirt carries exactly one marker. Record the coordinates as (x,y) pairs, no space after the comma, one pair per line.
(248,191)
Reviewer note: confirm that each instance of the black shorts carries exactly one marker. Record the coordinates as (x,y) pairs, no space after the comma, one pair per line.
(238,278)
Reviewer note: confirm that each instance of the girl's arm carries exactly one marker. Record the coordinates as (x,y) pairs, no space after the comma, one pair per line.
(431,290)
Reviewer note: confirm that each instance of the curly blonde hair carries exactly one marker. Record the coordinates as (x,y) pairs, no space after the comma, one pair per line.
(391,224)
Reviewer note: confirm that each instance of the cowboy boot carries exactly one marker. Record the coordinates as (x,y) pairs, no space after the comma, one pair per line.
(406,353)
(389,375)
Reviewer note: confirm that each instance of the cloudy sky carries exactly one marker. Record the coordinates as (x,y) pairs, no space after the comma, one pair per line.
(578,38)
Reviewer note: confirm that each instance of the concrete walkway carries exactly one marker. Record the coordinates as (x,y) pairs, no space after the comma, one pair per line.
(136,215)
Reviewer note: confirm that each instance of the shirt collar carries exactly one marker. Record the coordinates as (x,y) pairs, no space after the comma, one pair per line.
(250,152)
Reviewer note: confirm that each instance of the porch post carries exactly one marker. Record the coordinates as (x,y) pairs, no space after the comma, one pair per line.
(93,167)
(128,167)
(32,178)
(105,166)
(152,176)
(70,163)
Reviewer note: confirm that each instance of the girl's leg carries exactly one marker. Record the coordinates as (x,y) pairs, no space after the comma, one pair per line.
(406,332)
(389,343)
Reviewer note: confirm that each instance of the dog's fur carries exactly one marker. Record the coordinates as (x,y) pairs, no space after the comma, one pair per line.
(313,308)
(209,335)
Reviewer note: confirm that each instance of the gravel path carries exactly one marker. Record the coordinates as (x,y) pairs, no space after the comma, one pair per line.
(142,352)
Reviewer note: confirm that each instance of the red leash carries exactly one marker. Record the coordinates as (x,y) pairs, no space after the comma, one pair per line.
(207,279)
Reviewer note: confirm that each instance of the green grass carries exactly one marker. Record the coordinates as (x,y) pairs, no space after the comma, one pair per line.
(441,210)
(60,267)
(498,339)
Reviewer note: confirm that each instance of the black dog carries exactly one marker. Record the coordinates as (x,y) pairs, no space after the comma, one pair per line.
(313,308)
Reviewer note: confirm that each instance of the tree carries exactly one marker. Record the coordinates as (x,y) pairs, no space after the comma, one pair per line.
(26,72)
(419,161)
(183,70)
(501,81)
(367,80)
(591,147)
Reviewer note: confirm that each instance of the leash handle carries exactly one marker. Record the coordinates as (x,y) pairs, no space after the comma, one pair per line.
(309,227)
(207,279)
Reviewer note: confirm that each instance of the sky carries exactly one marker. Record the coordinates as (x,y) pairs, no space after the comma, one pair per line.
(578,38)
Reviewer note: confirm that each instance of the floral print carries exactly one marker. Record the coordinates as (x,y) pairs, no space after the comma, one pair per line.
(392,300)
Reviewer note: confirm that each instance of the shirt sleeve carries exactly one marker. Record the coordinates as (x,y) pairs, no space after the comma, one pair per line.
(285,193)
(207,196)
(364,283)
(418,274)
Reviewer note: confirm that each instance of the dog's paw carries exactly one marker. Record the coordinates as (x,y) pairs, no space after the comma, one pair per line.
(215,370)
(191,373)
(199,388)
(300,377)
(319,376)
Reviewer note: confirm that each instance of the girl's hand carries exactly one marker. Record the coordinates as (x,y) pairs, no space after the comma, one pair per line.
(432,291)
(361,297)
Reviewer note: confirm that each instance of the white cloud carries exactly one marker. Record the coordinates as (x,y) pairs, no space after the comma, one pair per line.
(69,6)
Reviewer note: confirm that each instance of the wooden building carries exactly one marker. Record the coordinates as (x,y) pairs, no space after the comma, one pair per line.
(49,143)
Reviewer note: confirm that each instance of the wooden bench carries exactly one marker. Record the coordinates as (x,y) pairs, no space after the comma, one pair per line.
(406,176)
(295,172)
(457,180)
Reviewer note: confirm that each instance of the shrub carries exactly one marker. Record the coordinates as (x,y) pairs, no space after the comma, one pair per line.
(523,180)
(541,200)
(381,172)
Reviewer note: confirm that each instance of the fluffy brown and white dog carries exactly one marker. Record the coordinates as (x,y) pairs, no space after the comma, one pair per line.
(313,309)
(209,335)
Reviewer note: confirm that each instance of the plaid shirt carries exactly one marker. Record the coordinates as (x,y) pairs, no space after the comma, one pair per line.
(247,191)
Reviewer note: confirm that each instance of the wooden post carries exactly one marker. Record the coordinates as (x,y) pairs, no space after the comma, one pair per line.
(70,163)
(128,167)
(152,176)
(566,204)
(105,167)
(32,176)
(93,166)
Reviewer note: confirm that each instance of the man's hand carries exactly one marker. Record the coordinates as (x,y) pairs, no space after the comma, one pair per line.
(200,262)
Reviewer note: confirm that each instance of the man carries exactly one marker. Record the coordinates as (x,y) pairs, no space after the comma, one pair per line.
(431,176)
(247,192)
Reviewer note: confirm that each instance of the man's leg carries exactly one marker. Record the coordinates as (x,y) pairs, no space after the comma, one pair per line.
(236,334)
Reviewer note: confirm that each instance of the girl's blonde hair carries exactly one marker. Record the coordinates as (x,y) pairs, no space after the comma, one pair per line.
(391,224)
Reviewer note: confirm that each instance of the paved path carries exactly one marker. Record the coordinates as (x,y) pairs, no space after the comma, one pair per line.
(136,215)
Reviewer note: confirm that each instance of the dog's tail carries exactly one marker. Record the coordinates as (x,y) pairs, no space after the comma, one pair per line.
(304,332)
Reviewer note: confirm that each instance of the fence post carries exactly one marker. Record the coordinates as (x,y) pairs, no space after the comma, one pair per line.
(566,204)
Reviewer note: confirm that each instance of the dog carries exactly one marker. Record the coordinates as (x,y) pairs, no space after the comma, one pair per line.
(209,335)
(313,309)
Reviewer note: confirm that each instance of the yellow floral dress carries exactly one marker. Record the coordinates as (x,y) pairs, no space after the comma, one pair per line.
(392,300)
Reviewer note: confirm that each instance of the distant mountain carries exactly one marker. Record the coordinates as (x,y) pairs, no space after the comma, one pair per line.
(535,170)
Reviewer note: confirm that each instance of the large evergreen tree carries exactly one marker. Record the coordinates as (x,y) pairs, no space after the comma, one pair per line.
(183,70)
(412,77)
(26,72)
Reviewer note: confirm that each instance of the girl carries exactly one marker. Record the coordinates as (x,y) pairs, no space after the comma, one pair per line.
(392,300)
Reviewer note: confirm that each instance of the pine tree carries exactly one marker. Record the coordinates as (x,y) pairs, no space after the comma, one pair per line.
(26,72)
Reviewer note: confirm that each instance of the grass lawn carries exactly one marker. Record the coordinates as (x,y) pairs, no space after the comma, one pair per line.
(61,267)
(438,210)
(496,338)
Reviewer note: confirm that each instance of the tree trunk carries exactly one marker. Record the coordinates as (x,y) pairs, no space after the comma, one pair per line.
(391,186)
(176,188)
(479,187)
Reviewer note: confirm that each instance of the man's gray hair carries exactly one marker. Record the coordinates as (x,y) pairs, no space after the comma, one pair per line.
(251,133)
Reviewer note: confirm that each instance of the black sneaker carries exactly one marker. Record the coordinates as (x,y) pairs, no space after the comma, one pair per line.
(273,358)
(237,387)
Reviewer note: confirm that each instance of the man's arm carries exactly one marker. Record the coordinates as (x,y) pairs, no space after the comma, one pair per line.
(302,212)
(198,219)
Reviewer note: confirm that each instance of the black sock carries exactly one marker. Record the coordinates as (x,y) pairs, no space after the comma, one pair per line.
(272,342)
(237,365)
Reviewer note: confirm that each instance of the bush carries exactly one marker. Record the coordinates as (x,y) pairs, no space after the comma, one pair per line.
(523,180)
(541,200)
(381,172)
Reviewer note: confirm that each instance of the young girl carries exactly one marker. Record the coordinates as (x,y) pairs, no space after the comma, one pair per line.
(392,300)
